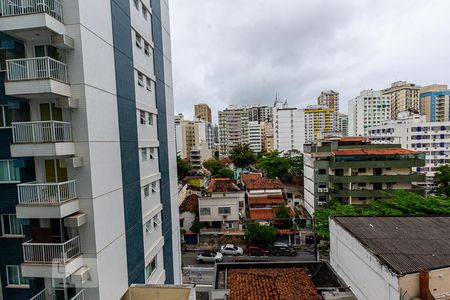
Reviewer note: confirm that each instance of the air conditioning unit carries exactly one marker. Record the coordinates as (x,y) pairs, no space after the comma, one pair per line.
(325,190)
(75,220)
(67,103)
(81,276)
(321,202)
(74,162)
(62,41)
(320,190)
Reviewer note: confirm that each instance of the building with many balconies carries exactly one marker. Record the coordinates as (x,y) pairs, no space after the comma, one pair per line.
(87,149)
(354,171)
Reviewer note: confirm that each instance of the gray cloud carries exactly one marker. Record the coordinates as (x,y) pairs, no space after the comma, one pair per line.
(244,51)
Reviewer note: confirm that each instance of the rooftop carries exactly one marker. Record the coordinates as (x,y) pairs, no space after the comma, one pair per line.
(159,292)
(403,244)
(222,185)
(190,204)
(358,152)
(271,199)
(260,214)
(257,182)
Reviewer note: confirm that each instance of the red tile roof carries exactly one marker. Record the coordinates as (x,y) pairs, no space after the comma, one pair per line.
(271,284)
(271,199)
(261,214)
(190,203)
(256,182)
(221,185)
(387,151)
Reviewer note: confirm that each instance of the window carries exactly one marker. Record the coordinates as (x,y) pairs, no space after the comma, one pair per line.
(146,191)
(154,187)
(205,211)
(150,268)
(147,49)
(14,277)
(322,185)
(149,226)
(156,221)
(153,153)
(136,4)
(150,119)
(11,226)
(149,84)
(144,12)
(140,79)
(144,154)
(9,172)
(142,117)
(361,170)
(322,171)
(138,41)
(224,210)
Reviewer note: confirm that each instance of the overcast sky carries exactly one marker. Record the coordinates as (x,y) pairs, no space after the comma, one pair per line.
(244,51)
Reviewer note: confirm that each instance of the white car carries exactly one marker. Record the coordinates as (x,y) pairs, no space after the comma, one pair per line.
(209,256)
(231,249)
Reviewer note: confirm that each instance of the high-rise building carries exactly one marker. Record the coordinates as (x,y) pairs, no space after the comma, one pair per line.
(259,113)
(255,136)
(413,132)
(330,99)
(318,120)
(369,109)
(233,128)
(435,102)
(354,171)
(87,149)
(202,111)
(342,122)
(288,127)
(404,96)
(267,137)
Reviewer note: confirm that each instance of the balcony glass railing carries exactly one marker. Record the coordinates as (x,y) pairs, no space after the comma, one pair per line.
(53,8)
(42,132)
(8,172)
(36,68)
(47,193)
(51,252)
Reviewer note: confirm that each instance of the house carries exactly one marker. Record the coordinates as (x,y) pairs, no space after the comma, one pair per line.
(389,258)
(188,211)
(275,281)
(223,206)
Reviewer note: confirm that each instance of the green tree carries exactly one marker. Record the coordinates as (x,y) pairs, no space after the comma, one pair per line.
(213,165)
(196,226)
(261,234)
(242,156)
(275,166)
(283,219)
(225,173)
(442,180)
(295,160)
(335,208)
(183,168)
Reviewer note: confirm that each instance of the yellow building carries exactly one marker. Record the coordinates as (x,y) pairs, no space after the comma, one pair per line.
(318,119)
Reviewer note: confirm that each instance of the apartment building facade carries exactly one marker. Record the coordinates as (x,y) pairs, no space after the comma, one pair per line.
(288,127)
(203,111)
(342,124)
(233,128)
(435,102)
(412,131)
(87,149)
(403,96)
(318,121)
(369,109)
(354,171)
(330,99)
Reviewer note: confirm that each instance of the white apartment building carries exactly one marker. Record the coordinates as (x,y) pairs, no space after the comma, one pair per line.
(99,209)
(342,124)
(413,131)
(255,136)
(369,109)
(288,127)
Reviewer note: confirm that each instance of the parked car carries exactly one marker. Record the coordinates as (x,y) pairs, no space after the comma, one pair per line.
(254,250)
(209,256)
(231,249)
(283,249)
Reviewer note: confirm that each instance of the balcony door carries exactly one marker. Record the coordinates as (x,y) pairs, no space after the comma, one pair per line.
(49,112)
(46,50)
(54,172)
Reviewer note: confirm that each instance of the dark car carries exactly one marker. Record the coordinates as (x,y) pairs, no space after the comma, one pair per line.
(283,249)
(253,250)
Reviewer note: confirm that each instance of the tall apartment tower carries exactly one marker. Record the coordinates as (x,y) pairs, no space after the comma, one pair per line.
(342,124)
(233,128)
(435,102)
(202,111)
(318,120)
(330,99)
(288,127)
(404,96)
(87,149)
(371,108)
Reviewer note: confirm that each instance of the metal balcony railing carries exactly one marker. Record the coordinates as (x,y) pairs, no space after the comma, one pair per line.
(46,193)
(36,68)
(78,296)
(53,8)
(51,252)
(42,295)
(42,132)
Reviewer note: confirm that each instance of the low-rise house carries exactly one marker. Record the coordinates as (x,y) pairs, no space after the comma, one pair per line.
(188,212)
(391,258)
(223,206)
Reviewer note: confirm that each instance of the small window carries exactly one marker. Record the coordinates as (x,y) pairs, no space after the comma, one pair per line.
(147,49)
(156,221)
(144,154)
(150,268)
(146,190)
(154,187)
(136,4)
(362,184)
(224,210)
(140,79)
(150,119)
(142,117)
(144,12)
(205,211)
(14,277)
(322,185)
(11,226)
(322,171)
(149,226)
(361,170)
(153,153)
(148,84)
(138,41)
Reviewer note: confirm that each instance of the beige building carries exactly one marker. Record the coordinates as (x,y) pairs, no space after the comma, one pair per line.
(267,142)
(202,111)
(435,102)
(233,128)
(404,96)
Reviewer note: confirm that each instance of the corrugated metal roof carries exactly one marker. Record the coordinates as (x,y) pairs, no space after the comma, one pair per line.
(403,244)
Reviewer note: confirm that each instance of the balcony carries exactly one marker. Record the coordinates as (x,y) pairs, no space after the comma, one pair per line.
(415,177)
(47,200)
(36,77)
(51,260)
(46,295)
(42,138)
(29,20)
